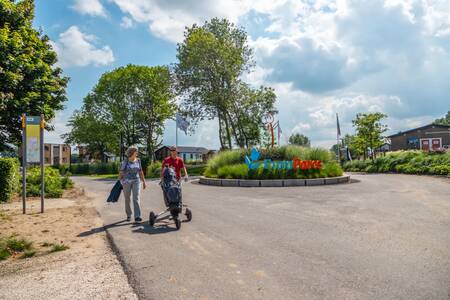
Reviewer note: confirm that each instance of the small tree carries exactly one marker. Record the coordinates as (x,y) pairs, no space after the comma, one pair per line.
(299,140)
(369,131)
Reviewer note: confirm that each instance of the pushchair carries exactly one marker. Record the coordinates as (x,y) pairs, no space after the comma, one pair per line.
(171,188)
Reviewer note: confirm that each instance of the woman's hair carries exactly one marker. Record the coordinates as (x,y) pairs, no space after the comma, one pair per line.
(131,150)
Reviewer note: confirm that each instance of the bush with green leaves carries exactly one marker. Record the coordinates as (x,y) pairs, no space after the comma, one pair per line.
(408,162)
(230,164)
(94,168)
(9,178)
(154,169)
(54,183)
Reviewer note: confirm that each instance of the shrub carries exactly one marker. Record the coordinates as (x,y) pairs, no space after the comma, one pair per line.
(408,162)
(54,183)
(230,164)
(154,169)
(95,168)
(239,171)
(9,178)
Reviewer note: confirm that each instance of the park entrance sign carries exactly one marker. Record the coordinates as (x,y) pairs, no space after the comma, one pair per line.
(32,152)
(268,164)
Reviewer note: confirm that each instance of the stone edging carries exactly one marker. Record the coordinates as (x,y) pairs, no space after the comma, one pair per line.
(274,182)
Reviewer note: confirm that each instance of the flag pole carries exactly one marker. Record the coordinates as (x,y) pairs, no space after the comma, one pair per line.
(338,132)
(176,134)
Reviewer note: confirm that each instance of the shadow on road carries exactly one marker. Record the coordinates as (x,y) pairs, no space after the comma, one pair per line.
(103,228)
(163,228)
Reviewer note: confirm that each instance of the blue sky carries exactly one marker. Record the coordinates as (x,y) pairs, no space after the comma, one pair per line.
(321,57)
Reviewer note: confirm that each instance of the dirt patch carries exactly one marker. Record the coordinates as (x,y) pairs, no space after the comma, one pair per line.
(83,268)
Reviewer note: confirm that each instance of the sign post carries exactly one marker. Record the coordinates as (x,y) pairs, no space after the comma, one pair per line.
(33,152)
(24,162)
(42,163)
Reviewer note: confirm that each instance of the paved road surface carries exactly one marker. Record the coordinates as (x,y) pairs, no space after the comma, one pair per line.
(384,237)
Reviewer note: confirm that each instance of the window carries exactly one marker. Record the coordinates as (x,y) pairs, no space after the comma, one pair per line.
(64,160)
(46,148)
(46,160)
(192,156)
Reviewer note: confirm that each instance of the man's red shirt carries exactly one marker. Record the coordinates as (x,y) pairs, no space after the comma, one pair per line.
(176,163)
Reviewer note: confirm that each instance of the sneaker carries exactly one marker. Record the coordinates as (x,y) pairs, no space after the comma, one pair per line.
(138,220)
(128,219)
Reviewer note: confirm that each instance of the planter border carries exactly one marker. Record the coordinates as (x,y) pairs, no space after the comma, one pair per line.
(274,182)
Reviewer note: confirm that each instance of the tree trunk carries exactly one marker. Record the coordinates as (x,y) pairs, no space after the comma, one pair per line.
(227,128)
(220,130)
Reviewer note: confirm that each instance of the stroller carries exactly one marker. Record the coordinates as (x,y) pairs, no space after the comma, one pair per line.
(173,200)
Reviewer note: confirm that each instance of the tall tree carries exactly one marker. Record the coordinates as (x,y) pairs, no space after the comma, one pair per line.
(444,121)
(99,137)
(247,111)
(369,131)
(210,60)
(300,140)
(135,101)
(29,81)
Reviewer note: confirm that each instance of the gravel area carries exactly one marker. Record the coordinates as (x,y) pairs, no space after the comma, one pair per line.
(87,270)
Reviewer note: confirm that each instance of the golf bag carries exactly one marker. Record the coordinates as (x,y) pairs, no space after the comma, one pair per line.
(172,190)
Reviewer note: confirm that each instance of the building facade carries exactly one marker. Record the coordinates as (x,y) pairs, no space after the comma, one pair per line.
(188,154)
(430,137)
(57,154)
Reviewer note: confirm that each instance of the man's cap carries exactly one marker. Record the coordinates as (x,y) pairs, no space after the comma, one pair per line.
(173,148)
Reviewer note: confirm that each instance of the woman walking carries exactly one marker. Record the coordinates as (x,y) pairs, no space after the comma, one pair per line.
(130,176)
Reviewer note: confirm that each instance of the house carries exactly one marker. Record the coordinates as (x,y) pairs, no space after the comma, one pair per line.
(57,154)
(189,154)
(428,137)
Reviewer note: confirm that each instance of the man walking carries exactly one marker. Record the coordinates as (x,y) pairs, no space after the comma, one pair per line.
(175,162)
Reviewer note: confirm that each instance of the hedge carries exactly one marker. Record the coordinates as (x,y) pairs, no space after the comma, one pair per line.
(9,178)
(230,164)
(91,169)
(408,162)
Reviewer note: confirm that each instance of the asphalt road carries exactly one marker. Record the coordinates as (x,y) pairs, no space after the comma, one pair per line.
(383,237)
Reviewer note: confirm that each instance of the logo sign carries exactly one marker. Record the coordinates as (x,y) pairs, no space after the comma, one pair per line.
(253,163)
(33,135)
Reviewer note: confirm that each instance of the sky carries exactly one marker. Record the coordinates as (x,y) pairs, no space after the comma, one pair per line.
(321,57)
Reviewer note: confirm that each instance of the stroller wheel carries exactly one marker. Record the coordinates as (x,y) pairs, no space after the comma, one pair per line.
(188,214)
(178,223)
(152,218)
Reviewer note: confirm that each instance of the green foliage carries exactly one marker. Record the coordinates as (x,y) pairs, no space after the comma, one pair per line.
(29,80)
(54,183)
(299,140)
(369,132)
(444,121)
(409,162)
(211,60)
(95,168)
(154,170)
(58,247)
(230,164)
(9,178)
(132,102)
(224,158)
(28,254)
(12,244)
(239,171)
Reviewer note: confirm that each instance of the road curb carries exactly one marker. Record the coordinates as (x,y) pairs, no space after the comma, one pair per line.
(273,182)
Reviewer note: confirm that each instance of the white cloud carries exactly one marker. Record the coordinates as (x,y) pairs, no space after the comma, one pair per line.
(127,22)
(75,48)
(60,127)
(167,19)
(89,7)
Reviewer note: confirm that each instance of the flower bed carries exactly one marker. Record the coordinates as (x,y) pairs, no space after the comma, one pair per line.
(286,162)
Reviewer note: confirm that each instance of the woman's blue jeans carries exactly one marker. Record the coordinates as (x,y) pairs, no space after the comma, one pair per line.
(135,187)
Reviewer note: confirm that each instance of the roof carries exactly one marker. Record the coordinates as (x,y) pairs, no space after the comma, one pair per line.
(418,128)
(188,149)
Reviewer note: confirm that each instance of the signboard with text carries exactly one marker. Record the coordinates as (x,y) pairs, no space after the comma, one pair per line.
(33,134)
